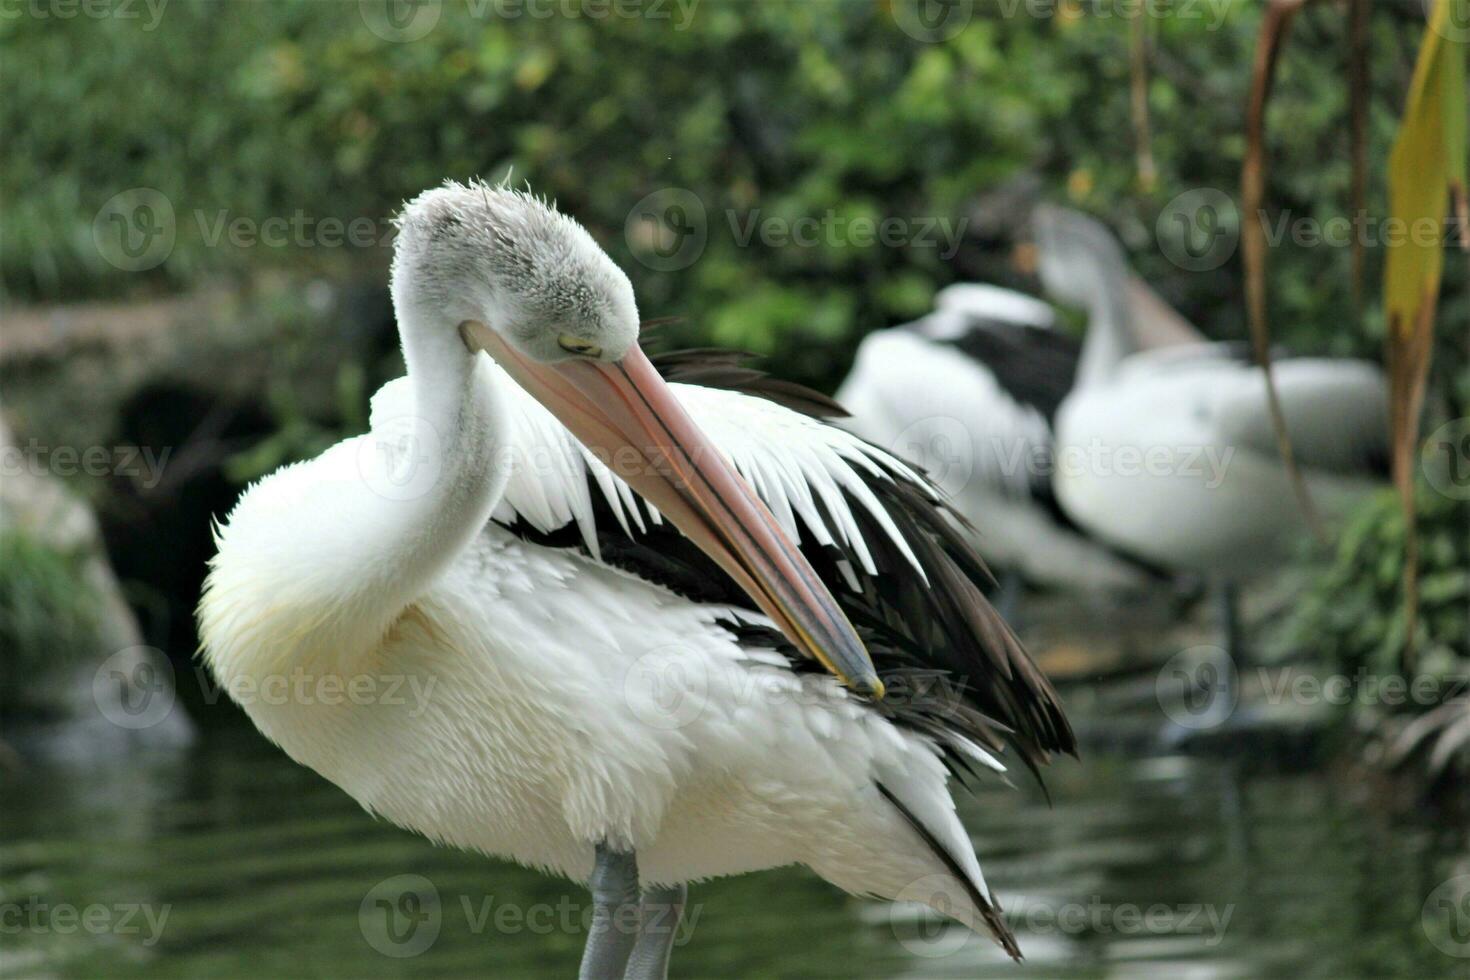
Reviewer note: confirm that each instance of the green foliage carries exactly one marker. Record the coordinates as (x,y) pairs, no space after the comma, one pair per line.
(1352,612)
(48,617)
(791,110)
(298,433)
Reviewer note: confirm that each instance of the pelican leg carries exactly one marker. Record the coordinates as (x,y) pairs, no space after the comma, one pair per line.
(615,915)
(662,910)
(1228,598)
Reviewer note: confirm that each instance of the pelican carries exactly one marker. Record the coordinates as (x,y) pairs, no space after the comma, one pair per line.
(1170,453)
(671,631)
(969,392)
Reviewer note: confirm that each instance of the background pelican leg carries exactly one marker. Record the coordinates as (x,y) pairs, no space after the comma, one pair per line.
(1227,597)
(615,915)
(662,910)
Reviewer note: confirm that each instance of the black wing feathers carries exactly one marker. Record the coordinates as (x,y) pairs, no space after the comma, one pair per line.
(1036,366)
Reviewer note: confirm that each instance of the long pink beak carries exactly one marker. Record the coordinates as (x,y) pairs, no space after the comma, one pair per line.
(629,418)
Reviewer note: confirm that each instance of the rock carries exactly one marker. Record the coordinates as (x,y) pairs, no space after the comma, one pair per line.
(99,693)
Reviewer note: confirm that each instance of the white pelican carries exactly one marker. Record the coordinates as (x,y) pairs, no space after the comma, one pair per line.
(969,392)
(612,700)
(1170,453)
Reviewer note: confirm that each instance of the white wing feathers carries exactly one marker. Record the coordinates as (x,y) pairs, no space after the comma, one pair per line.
(1336,411)
(801,467)
(930,402)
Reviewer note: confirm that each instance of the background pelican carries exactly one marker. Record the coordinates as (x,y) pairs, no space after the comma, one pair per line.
(615,701)
(970,393)
(1170,453)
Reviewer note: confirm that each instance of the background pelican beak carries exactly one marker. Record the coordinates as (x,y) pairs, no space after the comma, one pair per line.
(630,419)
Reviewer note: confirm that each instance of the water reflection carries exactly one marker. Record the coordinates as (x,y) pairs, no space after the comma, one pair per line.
(228,860)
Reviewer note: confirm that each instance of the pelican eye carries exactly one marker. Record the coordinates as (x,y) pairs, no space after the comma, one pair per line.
(576,345)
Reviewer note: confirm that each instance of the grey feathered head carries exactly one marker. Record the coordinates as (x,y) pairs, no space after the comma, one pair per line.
(1077,256)
(486,252)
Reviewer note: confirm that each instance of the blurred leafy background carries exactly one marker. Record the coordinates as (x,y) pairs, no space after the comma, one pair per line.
(237,358)
(796,109)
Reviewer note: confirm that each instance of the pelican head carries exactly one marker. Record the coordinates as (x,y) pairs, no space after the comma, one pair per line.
(529,287)
(1078,259)
(507,259)
(1081,264)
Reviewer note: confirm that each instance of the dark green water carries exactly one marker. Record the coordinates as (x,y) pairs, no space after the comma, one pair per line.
(1158,867)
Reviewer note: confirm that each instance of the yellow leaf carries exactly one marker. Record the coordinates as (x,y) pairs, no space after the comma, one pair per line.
(1079,184)
(1428,159)
(1426,168)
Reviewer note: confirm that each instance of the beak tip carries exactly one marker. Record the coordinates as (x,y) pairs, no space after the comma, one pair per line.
(871,686)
